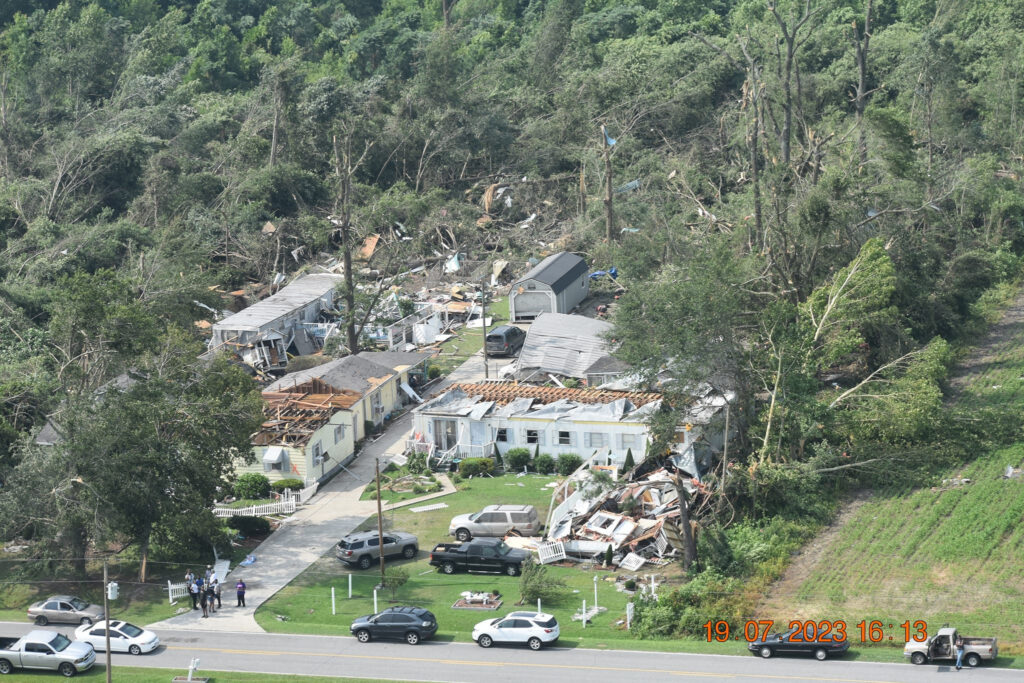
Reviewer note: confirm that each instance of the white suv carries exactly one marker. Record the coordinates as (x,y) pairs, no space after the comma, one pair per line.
(535,629)
(496,520)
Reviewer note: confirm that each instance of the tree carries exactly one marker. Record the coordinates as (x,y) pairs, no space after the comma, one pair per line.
(536,584)
(394,578)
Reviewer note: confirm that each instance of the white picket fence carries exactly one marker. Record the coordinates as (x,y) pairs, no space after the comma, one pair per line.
(284,506)
(180,590)
(301,497)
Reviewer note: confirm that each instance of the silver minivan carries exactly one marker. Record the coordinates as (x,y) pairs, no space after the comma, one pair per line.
(496,520)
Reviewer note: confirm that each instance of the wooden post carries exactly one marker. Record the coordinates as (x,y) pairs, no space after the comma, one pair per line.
(609,212)
(106,615)
(483,321)
(380,533)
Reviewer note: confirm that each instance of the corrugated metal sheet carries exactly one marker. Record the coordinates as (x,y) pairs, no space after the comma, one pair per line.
(564,344)
(303,291)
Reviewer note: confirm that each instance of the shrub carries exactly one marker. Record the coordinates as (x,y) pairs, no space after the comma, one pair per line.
(473,467)
(628,464)
(516,459)
(544,463)
(416,463)
(568,463)
(456,477)
(608,556)
(369,427)
(629,585)
(570,382)
(394,578)
(418,488)
(252,485)
(282,484)
(433,372)
(535,583)
(249,526)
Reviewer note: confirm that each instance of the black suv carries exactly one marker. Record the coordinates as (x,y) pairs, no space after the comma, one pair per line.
(410,624)
(505,340)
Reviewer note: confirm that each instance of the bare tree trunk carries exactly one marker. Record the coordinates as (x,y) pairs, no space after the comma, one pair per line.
(609,211)
(343,169)
(689,542)
(860,45)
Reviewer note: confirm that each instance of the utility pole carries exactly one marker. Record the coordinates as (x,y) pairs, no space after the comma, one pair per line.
(106,615)
(380,524)
(483,321)
(609,212)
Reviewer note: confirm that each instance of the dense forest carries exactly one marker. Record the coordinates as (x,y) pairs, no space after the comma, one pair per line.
(810,199)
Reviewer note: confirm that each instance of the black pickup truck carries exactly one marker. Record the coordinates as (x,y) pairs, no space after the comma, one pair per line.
(478,555)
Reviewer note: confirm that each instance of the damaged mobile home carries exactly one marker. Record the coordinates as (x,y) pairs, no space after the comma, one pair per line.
(289,321)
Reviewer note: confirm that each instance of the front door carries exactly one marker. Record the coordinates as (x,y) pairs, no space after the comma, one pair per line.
(477,435)
(445,436)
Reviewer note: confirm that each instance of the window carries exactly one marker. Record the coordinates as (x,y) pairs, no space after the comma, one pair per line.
(564,438)
(595,440)
(535,436)
(502,435)
(487,551)
(629,441)
(339,433)
(318,450)
(373,542)
(531,286)
(492,518)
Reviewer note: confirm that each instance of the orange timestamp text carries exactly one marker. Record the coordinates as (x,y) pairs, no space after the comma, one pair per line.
(808,631)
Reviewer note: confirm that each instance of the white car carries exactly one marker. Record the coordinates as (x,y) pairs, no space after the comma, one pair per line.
(124,637)
(535,629)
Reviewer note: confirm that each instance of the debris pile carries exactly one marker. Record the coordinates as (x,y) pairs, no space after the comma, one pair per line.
(639,519)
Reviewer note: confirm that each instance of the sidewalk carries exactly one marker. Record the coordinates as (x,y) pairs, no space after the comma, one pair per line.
(314,528)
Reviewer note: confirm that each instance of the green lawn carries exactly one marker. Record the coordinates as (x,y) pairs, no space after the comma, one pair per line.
(136,674)
(468,341)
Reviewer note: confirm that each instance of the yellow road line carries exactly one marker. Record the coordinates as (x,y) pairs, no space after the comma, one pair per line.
(539,665)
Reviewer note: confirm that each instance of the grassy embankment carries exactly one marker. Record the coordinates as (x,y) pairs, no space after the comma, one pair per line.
(943,554)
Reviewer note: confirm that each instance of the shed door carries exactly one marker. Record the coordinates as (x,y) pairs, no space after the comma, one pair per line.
(532,304)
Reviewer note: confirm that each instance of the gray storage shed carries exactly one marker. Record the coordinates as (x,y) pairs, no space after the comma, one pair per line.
(555,285)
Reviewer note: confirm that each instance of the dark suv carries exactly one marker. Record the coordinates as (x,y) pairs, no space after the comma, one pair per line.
(411,624)
(505,340)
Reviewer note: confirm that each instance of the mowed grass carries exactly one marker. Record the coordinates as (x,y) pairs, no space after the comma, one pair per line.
(469,340)
(305,605)
(138,674)
(946,555)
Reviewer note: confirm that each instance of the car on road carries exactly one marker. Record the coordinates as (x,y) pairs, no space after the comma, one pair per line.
(496,520)
(941,647)
(534,629)
(363,548)
(411,624)
(124,637)
(795,641)
(504,340)
(64,609)
(45,650)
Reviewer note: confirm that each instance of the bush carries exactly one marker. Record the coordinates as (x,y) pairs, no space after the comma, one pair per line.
(608,556)
(629,585)
(282,484)
(252,485)
(544,463)
(568,463)
(416,463)
(516,459)
(418,488)
(369,427)
(535,582)
(249,526)
(473,467)
(456,477)
(433,372)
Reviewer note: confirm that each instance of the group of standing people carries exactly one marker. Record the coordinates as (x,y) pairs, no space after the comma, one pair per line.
(206,590)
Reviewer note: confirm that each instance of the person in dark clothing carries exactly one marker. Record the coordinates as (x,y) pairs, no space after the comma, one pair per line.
(193,590)
(202,603)
(216,591)
(210,597)
(240,592)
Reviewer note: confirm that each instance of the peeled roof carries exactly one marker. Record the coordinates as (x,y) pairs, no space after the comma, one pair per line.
(564,344)
(299,293)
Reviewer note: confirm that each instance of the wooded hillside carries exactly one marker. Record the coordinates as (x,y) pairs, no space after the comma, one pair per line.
(809,197)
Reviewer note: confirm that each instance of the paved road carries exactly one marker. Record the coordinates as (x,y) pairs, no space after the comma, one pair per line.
(458,662)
